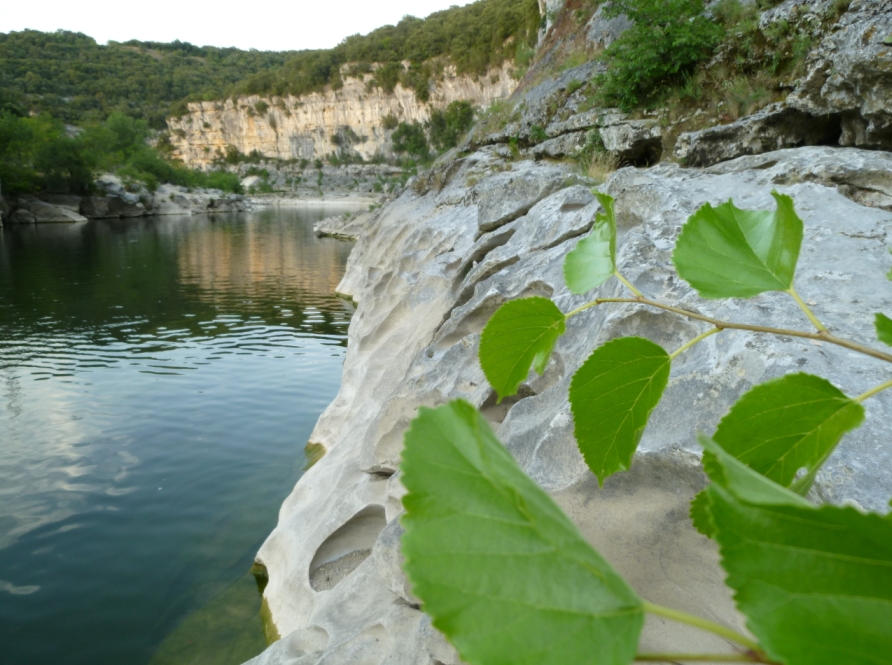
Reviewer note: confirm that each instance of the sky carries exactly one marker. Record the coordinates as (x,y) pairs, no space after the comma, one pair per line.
(267,25)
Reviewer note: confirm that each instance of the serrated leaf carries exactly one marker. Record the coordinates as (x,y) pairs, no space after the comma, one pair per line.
(726,252)
(700,515)
(884,328)
(593,261)
(501,570)
(520,335)
(814,583)
(611,396)
(728,472)
(781,426)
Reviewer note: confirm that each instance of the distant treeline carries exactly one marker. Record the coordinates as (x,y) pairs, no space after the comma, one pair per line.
(76,80)
(40,154)
(473,38)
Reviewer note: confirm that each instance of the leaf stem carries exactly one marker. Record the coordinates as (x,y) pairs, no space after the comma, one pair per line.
(582,308)
(698,338)
(731,325)
(628,284)
(873,391)
(703,624)
(799,301)
(694,657)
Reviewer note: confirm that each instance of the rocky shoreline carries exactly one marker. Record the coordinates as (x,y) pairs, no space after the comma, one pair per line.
(115,201)
(492,222)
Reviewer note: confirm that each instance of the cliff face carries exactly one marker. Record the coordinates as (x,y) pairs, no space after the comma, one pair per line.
(320,124)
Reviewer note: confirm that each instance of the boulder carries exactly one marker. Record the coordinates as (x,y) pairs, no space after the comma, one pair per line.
(95,207)
(47,213)
(775,127)
(566,145)
(20,216)
(427,275)
(633,140)
(69,201)
(119,206)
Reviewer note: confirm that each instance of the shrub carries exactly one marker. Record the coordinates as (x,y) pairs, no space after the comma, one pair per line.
(448,126)
(261,107)
(668,39)
(410,139)
(390,121)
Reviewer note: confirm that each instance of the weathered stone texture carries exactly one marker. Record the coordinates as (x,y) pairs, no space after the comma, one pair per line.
(427,275)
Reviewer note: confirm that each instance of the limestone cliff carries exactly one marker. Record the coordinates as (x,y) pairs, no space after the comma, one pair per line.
(320,124)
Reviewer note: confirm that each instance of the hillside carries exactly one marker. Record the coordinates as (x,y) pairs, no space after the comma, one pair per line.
(74,79)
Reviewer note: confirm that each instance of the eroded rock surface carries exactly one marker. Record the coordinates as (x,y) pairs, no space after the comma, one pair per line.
(427,275)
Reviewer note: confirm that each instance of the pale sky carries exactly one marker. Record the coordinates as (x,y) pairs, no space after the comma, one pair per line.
(266,25)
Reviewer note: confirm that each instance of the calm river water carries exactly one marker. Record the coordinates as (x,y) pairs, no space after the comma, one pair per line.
(159,379)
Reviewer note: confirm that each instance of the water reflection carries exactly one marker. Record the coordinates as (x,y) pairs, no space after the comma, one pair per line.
(158,379)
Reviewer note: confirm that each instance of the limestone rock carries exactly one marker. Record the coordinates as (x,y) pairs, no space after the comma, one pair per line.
(602,32)
(850,74)
(70,201)
(20,216)
(304,127)
(864,176)
(349,226)
(506,196)
(119,206)
(567,145)
(630,140)
(94,207)
(427,276)
(47,213)
(773,128)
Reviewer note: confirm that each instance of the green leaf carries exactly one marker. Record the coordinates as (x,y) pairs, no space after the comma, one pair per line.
(700,515)
(520,335)
(728,472)
(501,570)
(884,328)
(814,583)
(593,261)
(611,397)
(783,425)
(726,252)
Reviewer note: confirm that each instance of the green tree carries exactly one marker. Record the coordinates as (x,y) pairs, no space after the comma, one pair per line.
(409,138)
(667,40)
(446,127)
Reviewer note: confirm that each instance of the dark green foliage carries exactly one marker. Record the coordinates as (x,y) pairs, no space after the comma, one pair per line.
(70,76)
(474,38)
(390,121)
(668,39)
(410,139)
(38,154)
(261,107)
(449,125)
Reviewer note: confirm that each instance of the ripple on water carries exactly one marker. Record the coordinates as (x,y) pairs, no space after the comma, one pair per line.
(158,382)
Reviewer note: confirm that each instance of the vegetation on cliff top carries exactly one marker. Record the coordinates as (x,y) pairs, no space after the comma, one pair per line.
(71,77)
(473,38)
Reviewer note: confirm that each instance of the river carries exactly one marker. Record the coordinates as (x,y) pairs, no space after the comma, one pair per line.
(159,379)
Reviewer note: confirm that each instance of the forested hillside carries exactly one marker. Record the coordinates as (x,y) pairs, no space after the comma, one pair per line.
(71,77)
(473,38)
(74,79)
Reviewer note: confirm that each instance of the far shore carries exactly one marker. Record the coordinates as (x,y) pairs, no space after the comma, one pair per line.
(269,200)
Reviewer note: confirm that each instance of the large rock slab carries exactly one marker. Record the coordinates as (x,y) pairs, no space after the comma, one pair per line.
(427,277)
(773,128)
